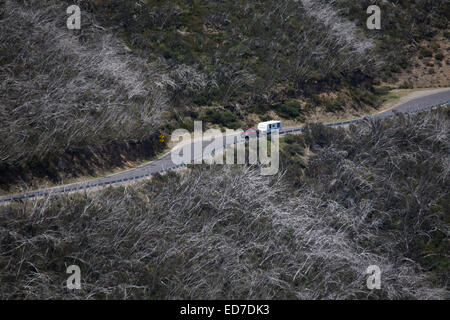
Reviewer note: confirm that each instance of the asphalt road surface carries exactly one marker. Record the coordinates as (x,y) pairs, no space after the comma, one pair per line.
(165,163)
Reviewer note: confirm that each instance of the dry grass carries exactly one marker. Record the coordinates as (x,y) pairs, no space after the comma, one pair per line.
(428,72)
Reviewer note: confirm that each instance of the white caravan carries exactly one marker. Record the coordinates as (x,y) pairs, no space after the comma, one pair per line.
(268,126)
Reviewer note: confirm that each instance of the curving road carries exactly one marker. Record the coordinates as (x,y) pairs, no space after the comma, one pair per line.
(165,163)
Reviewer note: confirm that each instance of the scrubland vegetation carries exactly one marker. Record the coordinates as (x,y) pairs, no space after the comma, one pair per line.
(137,68)
(376,194)
(404,25)
(67,93)
(371,194)
(255,53)
(62,92)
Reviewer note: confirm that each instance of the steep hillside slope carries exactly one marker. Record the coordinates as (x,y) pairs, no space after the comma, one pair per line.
(64,90)
(79,103)
(374,195)
(256,54)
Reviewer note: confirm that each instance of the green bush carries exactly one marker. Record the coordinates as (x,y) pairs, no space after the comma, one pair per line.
(439,56)
(290,109)
(363,95)
(406,85)
(261,109)
(294,139)
(425,53)
(224,118)
(333,106)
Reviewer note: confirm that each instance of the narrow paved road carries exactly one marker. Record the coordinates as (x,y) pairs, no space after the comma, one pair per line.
(165,163)
(418,104)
